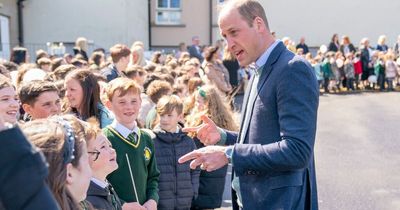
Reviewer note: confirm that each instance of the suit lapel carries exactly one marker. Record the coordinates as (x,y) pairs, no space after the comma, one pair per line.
(269,64)
(266,71)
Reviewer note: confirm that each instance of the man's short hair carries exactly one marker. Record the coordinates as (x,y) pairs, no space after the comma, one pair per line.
(119,51)
(123,85)
(167,104)
(29,92)
(249,10)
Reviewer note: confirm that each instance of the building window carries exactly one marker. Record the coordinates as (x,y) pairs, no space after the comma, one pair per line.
(168,12)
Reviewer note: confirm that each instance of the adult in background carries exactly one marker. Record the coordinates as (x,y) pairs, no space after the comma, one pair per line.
(334,44)
(366,54)
(347,47)
(396,47)
(194,49)
(303,45)
(272,155)
(381,46)
(81,48)
(215,71)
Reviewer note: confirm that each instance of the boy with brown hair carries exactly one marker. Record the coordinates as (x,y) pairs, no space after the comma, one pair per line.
(134,147)
(44,64)
(178,184)
(156,90)
(39,99)
(120,60)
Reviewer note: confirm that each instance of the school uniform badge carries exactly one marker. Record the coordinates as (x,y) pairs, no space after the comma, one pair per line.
(147,153)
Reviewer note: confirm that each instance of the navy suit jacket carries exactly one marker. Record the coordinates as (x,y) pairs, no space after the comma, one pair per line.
(275,163)
(193,52)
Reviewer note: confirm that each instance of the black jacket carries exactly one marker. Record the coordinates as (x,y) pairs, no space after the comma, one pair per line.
(103,198)
(23,171)
(178,184)
(211,187)
(333,47)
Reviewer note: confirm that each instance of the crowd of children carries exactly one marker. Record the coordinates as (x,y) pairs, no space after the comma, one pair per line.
(110,128)
(346,68)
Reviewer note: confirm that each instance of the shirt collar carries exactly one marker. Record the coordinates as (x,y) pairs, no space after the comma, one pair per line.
(124,131)
(264,57)
(99,182)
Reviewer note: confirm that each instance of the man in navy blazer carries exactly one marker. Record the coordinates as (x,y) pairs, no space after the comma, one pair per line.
(194,49)
(272,155)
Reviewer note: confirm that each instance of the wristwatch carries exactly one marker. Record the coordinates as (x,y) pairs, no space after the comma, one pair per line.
(229,153)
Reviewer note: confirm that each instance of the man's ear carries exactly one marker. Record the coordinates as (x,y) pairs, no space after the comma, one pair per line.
(258,23)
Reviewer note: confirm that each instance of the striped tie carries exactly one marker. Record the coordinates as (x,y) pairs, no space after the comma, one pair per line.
(133,137)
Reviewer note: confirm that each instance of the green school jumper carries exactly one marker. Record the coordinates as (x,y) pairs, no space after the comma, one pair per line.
(143,165)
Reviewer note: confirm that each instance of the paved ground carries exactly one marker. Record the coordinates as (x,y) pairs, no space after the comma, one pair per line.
(357,152)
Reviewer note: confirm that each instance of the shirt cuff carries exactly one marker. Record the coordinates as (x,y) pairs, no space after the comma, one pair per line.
(223,135)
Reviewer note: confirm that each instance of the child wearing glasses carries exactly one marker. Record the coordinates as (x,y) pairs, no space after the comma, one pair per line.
(102,161)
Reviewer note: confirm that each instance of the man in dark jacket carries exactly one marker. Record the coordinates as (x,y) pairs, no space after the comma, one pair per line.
(194,49)
(303,46)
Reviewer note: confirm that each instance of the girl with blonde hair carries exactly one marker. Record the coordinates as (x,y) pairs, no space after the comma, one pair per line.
(210,102)
(137,56)
(81,47)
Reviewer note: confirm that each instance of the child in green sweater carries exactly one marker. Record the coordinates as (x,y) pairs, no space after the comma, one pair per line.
(136,144)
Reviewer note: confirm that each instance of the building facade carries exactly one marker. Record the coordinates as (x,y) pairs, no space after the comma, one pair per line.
(175,21)
(104,23)
(166,23)
(8,27)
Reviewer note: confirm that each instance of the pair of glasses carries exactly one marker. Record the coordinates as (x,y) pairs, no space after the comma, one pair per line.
(96,154)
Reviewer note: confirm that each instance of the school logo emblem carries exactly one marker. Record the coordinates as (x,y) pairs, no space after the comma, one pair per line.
(147,153)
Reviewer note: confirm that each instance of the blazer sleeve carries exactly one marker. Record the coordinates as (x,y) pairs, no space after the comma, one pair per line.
(231,137)
(297,103)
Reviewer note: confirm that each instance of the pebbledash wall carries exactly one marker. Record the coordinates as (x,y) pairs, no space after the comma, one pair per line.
(317,20)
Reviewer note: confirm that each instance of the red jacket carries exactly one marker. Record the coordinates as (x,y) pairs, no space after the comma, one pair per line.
(358,67)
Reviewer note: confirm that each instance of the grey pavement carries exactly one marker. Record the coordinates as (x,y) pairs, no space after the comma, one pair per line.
(357,152)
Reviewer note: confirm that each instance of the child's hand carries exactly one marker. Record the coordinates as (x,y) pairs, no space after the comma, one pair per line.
(132,206)
(150,205)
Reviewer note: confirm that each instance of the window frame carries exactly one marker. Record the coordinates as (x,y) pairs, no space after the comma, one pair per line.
(168,10)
